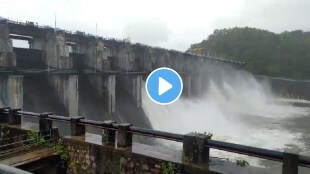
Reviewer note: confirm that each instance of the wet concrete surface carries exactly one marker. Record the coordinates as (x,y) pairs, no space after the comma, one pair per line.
(127,111)
(92,107)
(40,97)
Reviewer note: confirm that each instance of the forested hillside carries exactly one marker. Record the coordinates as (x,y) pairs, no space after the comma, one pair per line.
(281,55)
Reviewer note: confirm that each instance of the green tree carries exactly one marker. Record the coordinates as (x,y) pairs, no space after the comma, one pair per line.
(266,53)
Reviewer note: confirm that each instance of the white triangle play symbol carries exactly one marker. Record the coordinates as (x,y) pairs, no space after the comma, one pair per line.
(163,86)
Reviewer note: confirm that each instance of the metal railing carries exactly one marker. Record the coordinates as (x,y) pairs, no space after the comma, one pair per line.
(17,144)
(67,71)
(78,128)
(5,169)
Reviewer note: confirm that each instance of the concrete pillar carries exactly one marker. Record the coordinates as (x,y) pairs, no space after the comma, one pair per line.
(13,96)
(136,90)
(57,52)
(45,125)
(77,129)
(110,86)
(196,85)
(147,60)
(194,150)
(124,138)
(105,87)
(108,135)
(126,58)
(290,163)
(72,95)
(66,88)
(14,119)
(97,55)
(7,56)
(11,86)
(132,85)
(187,85)
(5,41)
(4,117)
(50,51)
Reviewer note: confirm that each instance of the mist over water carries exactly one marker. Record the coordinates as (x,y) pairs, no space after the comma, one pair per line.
(235,108)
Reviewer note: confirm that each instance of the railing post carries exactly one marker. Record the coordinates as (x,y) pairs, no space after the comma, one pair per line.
(4,117)
(124,138)
(77,129)
(13,118)
(203,150)
(194,149)
(54,133)
(44,124)
(188,147)
(290,163)
(108,135)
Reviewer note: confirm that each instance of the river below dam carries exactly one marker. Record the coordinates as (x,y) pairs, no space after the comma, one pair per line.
(236,108)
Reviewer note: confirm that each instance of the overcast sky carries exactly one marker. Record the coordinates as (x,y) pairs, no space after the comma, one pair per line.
(166,23)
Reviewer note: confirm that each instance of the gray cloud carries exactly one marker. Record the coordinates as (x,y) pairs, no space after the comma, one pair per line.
(163,23)
(153,33)
(273,15)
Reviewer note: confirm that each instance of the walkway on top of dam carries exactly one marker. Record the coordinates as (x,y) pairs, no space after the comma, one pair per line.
(10,71)
(30,30)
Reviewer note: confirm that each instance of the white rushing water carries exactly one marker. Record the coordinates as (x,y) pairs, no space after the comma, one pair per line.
(235,108)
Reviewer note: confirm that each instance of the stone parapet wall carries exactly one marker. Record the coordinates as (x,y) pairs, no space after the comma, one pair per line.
(86,157)
(81,158)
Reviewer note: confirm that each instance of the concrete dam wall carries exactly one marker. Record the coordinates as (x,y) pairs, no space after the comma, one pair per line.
(79,74)
(288,88)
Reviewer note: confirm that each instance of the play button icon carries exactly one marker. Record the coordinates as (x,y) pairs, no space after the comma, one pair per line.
(164,86)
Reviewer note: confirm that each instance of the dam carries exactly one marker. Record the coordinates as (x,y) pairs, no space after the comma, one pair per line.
(78,74)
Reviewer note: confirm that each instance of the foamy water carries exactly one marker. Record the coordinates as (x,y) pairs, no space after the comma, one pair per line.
(235,109)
